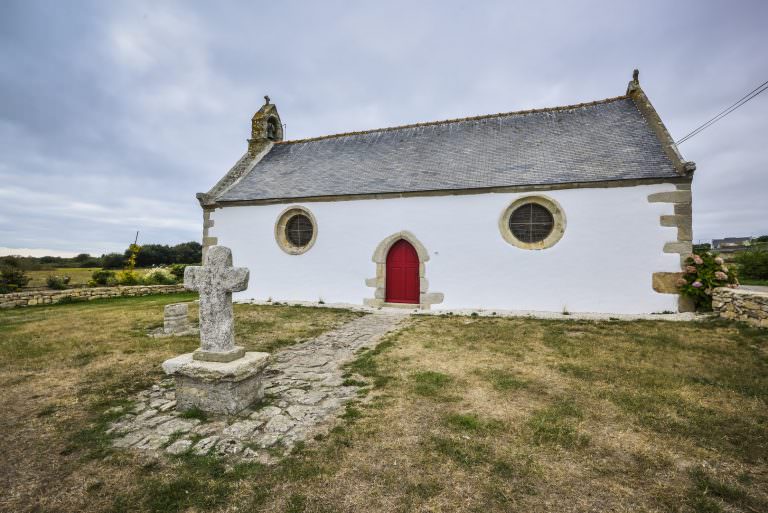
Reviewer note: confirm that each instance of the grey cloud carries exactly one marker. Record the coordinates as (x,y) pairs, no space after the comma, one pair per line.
(132,107)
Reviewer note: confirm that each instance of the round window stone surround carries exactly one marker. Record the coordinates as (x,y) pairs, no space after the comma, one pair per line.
(282,223)
(554,208)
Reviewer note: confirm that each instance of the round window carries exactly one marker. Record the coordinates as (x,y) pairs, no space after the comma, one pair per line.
(531,223)
(295,230)
(298,230)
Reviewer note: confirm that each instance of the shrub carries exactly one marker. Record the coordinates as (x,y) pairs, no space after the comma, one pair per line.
(12,279)
(178,271)
(103,277)
(57,282)
(158,276)
(703,273)
(753,263)
(128,278)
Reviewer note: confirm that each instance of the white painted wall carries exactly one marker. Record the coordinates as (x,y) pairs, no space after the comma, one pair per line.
(612,245)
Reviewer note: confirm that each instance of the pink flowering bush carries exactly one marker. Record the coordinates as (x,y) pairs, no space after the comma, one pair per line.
(703,273)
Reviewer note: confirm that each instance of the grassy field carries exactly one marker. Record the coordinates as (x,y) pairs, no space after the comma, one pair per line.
(78,275)
(749,281)
(463,414)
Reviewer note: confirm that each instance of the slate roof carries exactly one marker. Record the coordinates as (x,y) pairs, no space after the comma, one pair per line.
(605,140)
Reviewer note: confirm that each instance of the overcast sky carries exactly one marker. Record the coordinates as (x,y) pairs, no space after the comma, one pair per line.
(114,114)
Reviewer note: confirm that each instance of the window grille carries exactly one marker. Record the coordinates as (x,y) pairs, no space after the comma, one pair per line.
(531,223)
(298,230)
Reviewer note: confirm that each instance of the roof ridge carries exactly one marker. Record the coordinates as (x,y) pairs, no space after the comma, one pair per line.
(458,120)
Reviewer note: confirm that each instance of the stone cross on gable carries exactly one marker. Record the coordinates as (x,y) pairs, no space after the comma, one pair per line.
(215,281)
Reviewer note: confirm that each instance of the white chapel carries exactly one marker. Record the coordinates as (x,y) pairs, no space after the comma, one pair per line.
(579,208)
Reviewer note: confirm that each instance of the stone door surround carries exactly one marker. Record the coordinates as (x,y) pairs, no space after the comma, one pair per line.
(379,283)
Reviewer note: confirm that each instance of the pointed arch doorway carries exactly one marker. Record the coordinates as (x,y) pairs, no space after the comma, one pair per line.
(402,273)
(401,262)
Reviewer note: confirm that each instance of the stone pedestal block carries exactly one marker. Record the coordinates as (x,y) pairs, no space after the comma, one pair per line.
(176,320)
(217,387)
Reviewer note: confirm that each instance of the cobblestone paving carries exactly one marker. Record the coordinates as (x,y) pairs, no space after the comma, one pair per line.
(304,391)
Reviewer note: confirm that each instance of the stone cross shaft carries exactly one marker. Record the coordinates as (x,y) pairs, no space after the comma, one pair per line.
(215,281)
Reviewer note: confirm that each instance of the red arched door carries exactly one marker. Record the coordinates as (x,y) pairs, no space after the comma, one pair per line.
(402,273)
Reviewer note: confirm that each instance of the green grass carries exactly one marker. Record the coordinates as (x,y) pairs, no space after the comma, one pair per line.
(707,492)
(194,413)
(557,424)
(432,384)
(502,380)
(753,281)
(471,422)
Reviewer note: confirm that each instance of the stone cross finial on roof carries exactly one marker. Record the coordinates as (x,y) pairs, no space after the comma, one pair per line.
(635,77)
(266,99)
(215,281)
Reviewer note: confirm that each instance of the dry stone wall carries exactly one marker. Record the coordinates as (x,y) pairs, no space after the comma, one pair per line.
(743,305)
(47,297)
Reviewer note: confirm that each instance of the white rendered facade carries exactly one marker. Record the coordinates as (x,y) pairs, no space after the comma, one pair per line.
(612,245)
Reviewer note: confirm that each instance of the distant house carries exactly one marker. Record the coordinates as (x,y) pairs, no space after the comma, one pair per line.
(731,244)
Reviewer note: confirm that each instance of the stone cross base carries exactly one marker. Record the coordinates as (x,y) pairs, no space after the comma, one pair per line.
(219,356)
(217,387)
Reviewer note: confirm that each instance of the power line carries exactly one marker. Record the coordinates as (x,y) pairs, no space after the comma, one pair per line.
(744,99)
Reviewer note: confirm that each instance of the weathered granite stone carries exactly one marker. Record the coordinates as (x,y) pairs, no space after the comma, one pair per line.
(177,426)
(205,445)
(279,424)
(741,304)
(241,430)
(219,377)
(176,319)
(217,387)
(179,446)
(215,281)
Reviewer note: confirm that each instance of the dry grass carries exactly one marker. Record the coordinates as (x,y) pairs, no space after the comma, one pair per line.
(464,414)
(63,366)
(78,275)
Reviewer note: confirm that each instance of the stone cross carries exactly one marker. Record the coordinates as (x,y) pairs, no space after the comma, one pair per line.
(215,281)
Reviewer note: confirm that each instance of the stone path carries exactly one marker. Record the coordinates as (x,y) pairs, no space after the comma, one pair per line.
(304,391)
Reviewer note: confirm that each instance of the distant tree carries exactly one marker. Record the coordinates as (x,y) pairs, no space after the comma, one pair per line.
(762,238)
(152,254)
(753,263)
(161,254)
(50,260)
(112,261)
(82,257)
(187,253)
(10,261)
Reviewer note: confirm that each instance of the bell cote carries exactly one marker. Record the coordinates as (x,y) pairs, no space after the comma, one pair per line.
(265,128)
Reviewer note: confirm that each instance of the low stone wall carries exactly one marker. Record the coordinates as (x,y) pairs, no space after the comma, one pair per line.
(743,305)
(47,297)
